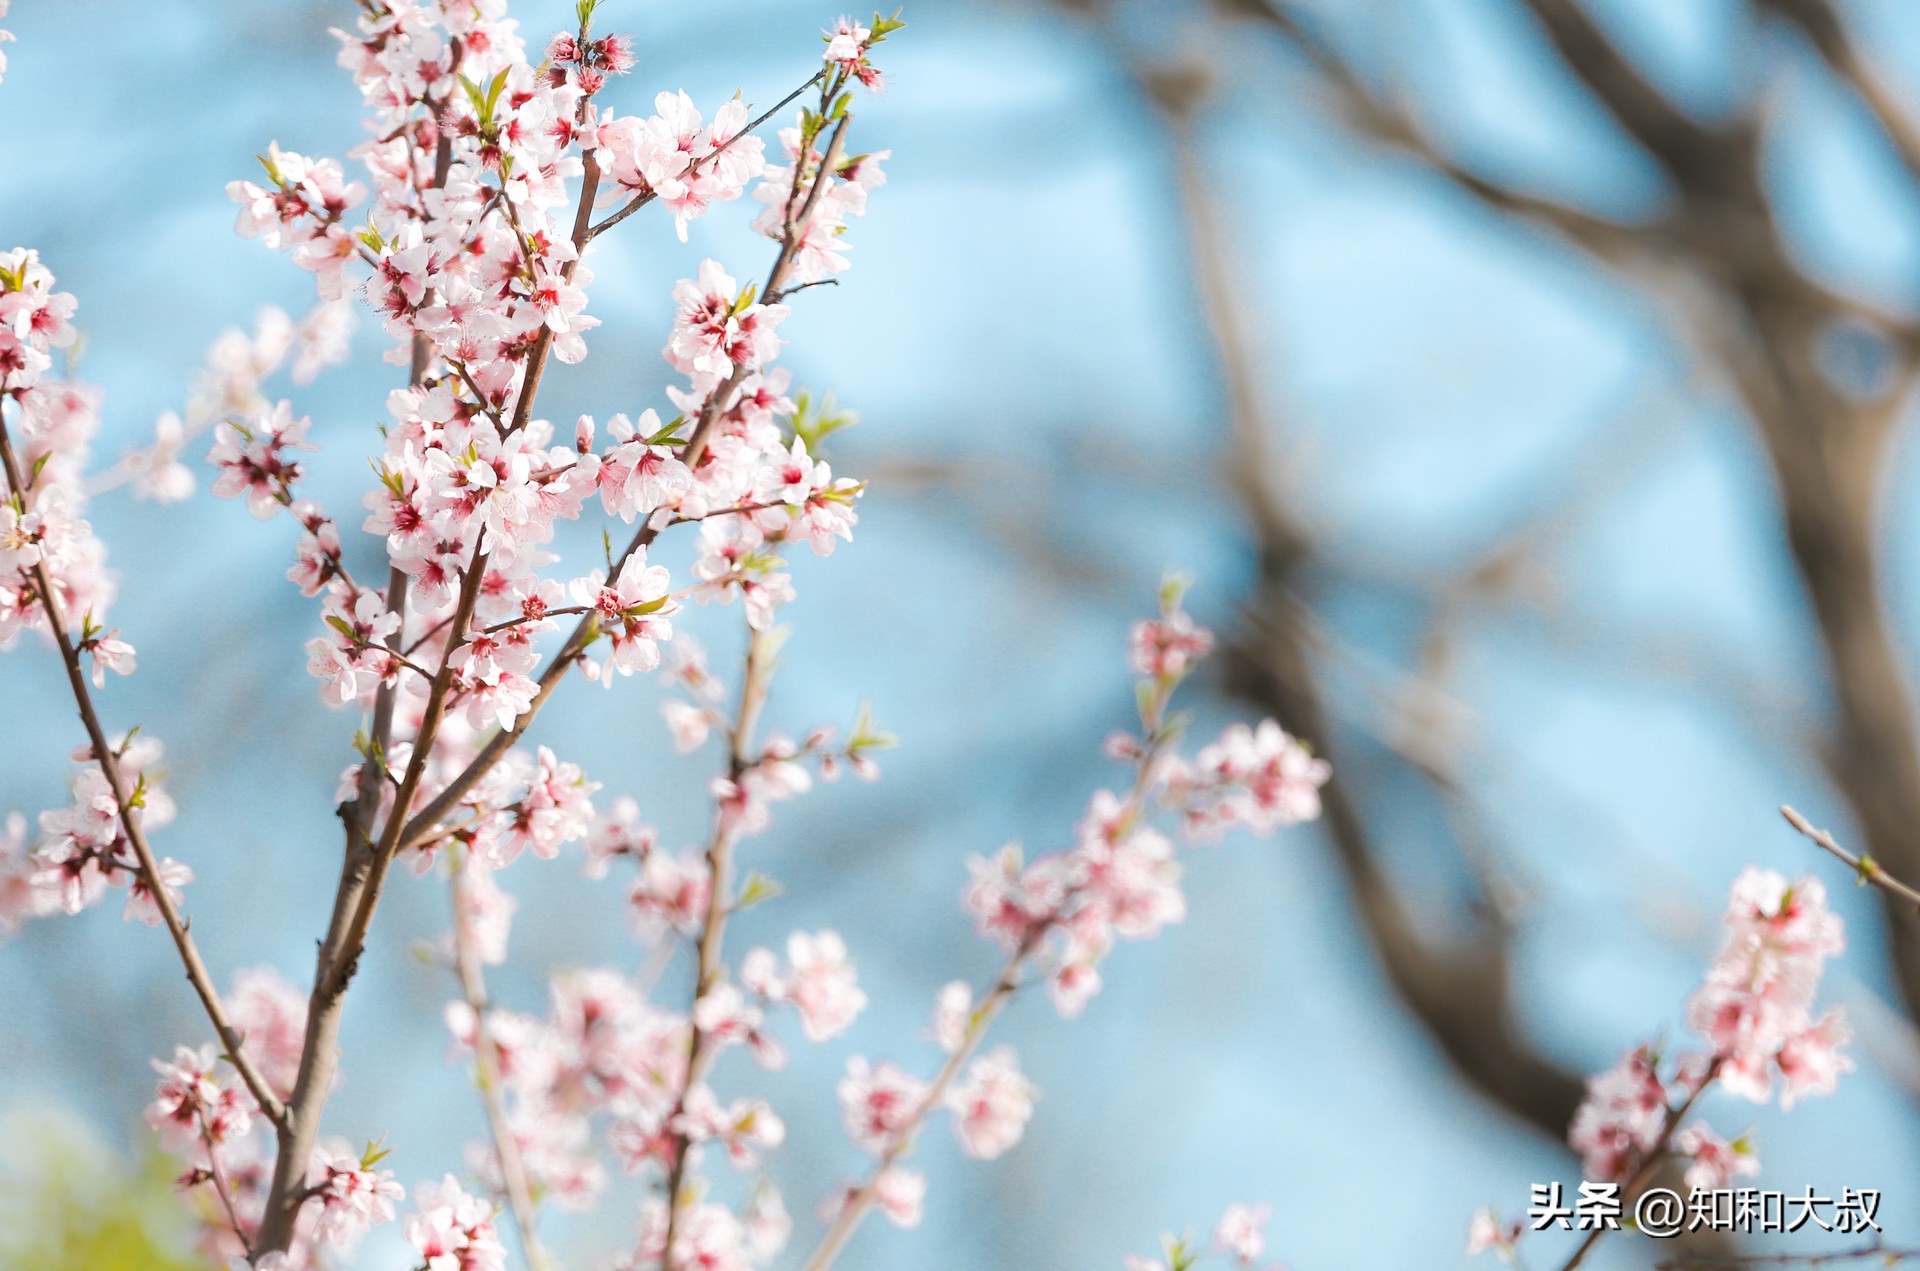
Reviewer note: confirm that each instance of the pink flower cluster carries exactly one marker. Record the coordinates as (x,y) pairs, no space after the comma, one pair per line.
(448,615)
(205,1114)
(1060,914)
(1754,1010)
(1121,878)
(464,220)
(83,848)
(44,537)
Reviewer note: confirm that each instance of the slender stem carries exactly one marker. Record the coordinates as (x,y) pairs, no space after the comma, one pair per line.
(1888,1253)
(221,1187)
(1864,867)
(708,965)
(487,1073)
(543,343)
(647,196)
(856,1207)
(1648,1163)
(148,867)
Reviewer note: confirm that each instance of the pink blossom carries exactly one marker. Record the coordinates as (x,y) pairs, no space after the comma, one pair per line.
(991,1104)
(352,1197)
(821,985)
(191,1102)
(454,1231)
(671,891)
(1259,777)
(632,611)
(1758,994)
(1167,646)
(1810,1060)
(717,328)
(952,1015)
(1487,1232)
(901,1194)
(1621,1119)
(725,1016)
(253,460)
(1713,1162)
(141,905)
(272,1018)
(1241,1231)
(878,1102)
(689,724)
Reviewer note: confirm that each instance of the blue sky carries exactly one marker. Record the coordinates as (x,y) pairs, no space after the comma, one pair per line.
(1019,320)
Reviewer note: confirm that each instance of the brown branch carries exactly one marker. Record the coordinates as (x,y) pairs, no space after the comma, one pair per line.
(488,1076)
(1864,867)
(1700,160)
(364,869)
(148,865)
(647,196)
(1821,24)
(1390,122)
(1460,992)
(1751,312)
(708,968)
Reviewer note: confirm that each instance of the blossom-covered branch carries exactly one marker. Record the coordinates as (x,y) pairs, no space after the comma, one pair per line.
(51,563)
(1064,910)
(1754,1010)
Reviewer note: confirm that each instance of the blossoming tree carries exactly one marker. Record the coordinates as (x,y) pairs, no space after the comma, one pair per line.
(447,622)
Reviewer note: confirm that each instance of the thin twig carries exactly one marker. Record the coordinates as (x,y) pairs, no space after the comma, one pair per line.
(148,867)
(1877,1249)
(221,1187)
(1649,1162)
(856,1206)
(487,1073)
(1864,867)
(647,196)
(708,967)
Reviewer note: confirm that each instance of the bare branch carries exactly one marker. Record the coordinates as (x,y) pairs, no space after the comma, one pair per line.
(1459,992)
(1865,868)
(1821,24)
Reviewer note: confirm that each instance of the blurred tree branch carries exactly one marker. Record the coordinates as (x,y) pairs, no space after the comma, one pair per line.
(1755,315)
(1458,988)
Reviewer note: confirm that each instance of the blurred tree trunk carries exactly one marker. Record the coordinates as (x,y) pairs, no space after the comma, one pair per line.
(1756,317)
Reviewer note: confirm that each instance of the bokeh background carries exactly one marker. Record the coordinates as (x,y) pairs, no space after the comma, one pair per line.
(1522,381)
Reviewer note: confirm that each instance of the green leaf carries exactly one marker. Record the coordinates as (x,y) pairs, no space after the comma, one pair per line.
(477,98)
(270,161)
(670,435)
(757,888)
